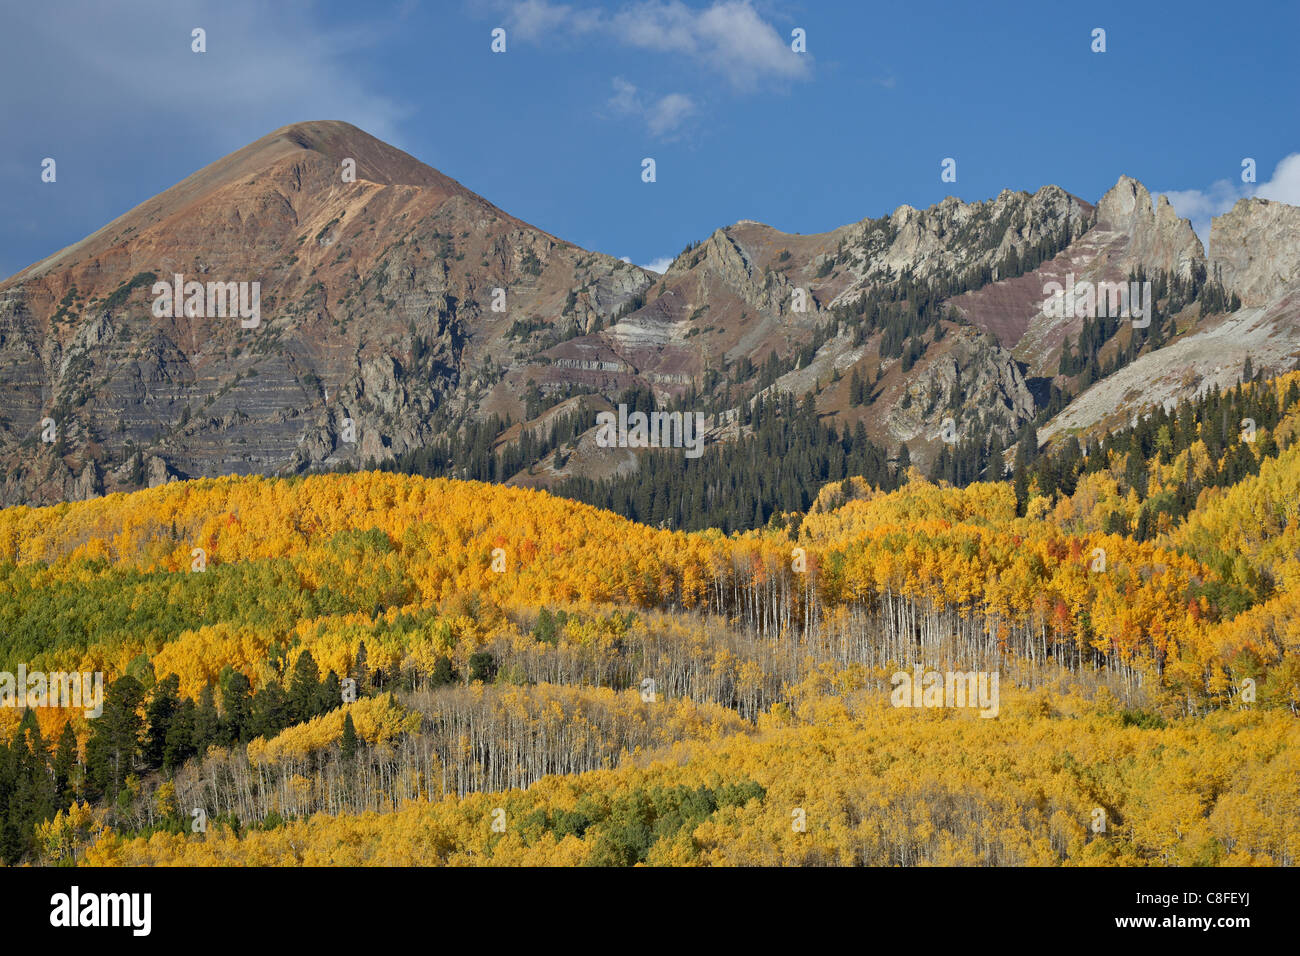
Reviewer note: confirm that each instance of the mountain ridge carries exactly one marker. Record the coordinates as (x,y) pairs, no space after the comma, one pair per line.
(381,322)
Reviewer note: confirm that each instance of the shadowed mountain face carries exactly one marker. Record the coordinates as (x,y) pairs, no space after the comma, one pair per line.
(397,307)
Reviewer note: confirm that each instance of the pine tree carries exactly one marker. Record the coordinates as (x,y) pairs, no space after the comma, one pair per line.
(348,743)
(179,743)
(1028,449)
(996,466)
(269,712)
(65,762)
(114,745)
(443,673)
(235,705)
(1020,482)
(207,722)
(360,670)
(330,693)
(304,688)
(482,666)
(163,703)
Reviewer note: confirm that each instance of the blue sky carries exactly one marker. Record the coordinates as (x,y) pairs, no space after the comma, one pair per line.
(554,130)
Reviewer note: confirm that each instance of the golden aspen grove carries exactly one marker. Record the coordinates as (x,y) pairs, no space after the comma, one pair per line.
(537,681)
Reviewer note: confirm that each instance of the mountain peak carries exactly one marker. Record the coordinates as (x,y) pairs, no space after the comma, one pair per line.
(335,140)
(1122,200)
(281,162)
(1159,237)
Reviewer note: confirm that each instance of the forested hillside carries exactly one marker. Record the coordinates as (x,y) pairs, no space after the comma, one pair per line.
(540,681)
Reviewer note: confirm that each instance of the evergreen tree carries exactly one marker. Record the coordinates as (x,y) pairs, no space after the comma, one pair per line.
(236,703)
(270,711)
(179,743)
(360,670)
(996,466)
(482,666)
(1020,483)
(114,742)
(65,763)
(330,694)
(207,722)
(443,673)
(348,743)
(304,689)
(1028,450)
(164,700)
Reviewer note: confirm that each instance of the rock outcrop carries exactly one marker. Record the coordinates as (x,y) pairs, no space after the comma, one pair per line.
(973,379)
(1255,249)
(1156,238)
(1255,253)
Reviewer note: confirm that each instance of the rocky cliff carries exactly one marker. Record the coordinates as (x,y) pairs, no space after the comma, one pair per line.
(396,307)
(386,300)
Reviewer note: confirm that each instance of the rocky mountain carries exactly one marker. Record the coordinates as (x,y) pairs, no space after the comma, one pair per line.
(386,310)
(376,319)
(1255,252)
(1126,234)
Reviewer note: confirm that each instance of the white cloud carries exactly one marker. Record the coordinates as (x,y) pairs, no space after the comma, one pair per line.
(1285,184)
(536,19)
(728,37)
(624,99)
(669,112)
(656,265)
(1202,205)
(662,116)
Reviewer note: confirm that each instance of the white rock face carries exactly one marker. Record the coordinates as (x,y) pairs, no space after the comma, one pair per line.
(1158,238)
(156,471)
(1255,252)
(1255,248)
(954,236)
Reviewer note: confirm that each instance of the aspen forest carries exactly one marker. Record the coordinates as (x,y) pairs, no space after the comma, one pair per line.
(374,668)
